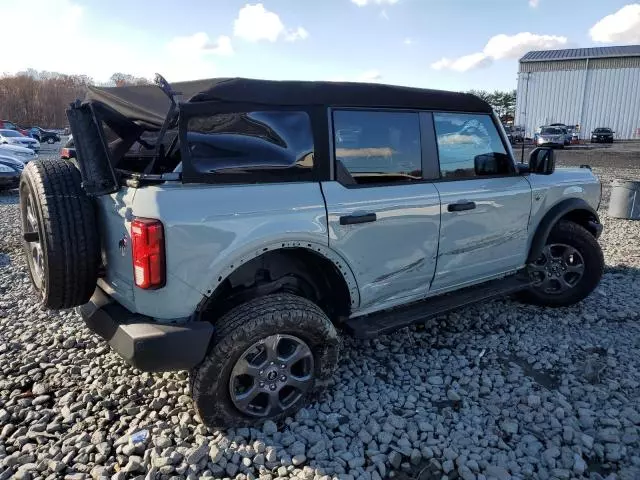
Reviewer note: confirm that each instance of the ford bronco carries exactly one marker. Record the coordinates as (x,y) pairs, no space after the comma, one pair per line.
(232,227)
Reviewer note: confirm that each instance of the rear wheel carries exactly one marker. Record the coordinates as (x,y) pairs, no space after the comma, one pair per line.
(568,269)
(59,233)
(51,140)
(268,358)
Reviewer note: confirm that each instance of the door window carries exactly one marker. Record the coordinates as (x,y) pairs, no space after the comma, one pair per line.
(377,147)
(470,146)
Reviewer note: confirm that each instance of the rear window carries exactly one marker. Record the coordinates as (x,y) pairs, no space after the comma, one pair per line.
(242,142)
(551,131)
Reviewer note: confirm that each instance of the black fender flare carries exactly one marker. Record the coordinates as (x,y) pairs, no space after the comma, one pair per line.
(588,218)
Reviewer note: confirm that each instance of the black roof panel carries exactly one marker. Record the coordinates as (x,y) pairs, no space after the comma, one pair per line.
(147,103)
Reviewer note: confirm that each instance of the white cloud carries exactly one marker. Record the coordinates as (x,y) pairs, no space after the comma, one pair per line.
(384,14)
(97,56)
(43,16)
(408,41)
(199,43)
(622,26)
(500,47)
(514,46)
(534,3)
(464,63)
(364,3)
(297,34)
(255,23)
(370,76)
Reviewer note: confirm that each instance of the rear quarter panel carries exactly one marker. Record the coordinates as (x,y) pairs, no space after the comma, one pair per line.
(210,230)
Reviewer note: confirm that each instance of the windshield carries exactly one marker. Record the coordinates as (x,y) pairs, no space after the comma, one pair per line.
(10,133)
(551,131)
(603,130)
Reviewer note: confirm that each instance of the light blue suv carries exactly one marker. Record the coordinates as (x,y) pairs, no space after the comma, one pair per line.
(235,229)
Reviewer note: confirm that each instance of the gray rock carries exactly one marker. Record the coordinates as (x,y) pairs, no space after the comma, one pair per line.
(579,465)
(498,472)
(435,380)
(453,395)
(395,459)
(196,454)
(269,427)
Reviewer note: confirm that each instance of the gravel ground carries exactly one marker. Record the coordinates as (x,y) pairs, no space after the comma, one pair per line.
(499,390)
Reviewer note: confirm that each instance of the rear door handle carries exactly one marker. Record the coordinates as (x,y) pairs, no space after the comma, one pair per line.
(461,206)
(358,218)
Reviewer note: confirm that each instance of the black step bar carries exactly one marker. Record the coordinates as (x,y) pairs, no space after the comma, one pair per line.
(370,326)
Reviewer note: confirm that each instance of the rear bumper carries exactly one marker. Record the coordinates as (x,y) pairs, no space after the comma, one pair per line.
(145,344)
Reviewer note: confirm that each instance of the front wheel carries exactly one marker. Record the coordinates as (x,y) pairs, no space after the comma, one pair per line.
(51,141)
(268,358)
(569,268)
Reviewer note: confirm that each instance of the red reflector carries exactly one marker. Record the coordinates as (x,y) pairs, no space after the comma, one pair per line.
(64,153)
(147,238)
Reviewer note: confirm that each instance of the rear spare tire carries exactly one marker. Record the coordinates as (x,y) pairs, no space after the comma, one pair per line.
(60,234)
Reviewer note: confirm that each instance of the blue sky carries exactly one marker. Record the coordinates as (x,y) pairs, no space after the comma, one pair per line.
(427,43)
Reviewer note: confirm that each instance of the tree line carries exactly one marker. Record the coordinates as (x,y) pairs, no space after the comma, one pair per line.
(40,98)
(503,103)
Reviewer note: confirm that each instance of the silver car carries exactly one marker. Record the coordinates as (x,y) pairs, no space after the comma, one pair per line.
(551,137)
(13,137)
(21,153)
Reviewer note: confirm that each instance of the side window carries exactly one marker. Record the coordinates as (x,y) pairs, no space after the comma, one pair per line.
(469,145)
(377,147)
(249,141)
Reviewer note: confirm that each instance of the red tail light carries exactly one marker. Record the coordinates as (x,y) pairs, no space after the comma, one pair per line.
(64,153)
(147,239)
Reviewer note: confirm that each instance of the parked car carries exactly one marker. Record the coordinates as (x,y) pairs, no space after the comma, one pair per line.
(6,124)
(13,137)
(44,136)
(552,137)
(10,171)
(602,135)
(23,154)
(241,255)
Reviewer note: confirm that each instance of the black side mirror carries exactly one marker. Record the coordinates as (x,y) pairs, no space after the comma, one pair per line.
(542,161)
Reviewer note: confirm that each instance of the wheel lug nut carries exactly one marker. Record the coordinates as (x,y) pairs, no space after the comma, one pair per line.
(283,366)
(261,384)
(283,378)
(272,386)
(261,372)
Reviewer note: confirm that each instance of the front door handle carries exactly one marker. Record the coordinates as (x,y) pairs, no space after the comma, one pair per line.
(461,206)
(358,218)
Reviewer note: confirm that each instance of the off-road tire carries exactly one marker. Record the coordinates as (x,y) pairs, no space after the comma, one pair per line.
(238,330)
(581,239)
(67,231)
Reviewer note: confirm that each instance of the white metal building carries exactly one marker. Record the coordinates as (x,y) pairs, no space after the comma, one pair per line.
(589,87)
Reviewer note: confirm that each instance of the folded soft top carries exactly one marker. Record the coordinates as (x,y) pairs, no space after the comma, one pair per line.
(149,105)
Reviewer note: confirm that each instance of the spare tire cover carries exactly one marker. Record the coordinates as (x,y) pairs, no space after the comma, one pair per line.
(60,234)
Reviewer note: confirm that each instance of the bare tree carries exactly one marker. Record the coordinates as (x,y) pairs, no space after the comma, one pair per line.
(40,98)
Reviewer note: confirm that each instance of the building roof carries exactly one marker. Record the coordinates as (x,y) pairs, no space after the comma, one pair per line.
(582,53)
(147,103)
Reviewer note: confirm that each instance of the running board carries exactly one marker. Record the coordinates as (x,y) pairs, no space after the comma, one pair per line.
(369,326)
